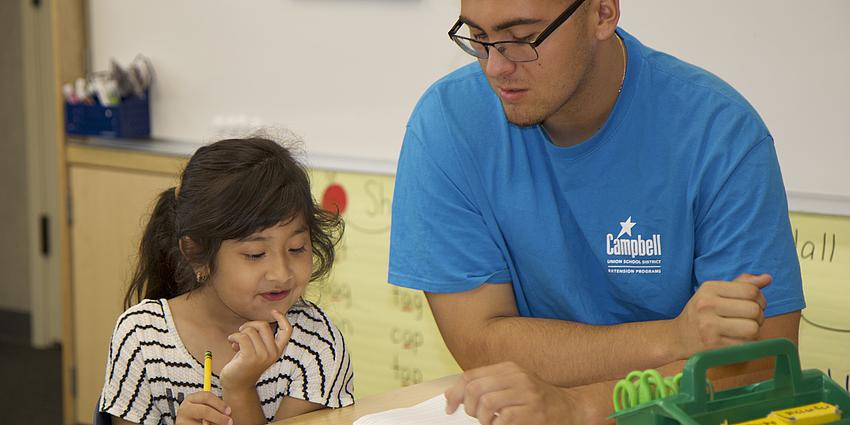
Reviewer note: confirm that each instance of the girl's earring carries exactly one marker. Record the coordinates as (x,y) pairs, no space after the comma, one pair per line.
(200,277)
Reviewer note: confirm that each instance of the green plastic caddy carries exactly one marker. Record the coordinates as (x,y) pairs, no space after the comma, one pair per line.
(789,387)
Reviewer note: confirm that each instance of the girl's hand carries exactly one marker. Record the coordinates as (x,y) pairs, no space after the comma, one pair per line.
(203,407)
(256,350)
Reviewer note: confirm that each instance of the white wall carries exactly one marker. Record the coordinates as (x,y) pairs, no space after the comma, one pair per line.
(790,59)
(319,67)
(344,74)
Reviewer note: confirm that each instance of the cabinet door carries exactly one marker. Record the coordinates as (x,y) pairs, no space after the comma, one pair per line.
(109,210)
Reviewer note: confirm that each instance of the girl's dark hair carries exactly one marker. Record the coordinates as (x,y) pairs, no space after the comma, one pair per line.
(229,190)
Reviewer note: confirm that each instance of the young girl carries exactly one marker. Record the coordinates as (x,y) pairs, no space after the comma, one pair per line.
(223,264)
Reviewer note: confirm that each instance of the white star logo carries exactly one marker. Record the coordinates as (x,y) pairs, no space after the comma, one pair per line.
(626,227)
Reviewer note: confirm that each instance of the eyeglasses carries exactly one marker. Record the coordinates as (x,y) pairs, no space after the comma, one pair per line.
(514,51)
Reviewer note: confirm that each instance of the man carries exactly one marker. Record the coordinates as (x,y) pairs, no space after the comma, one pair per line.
(582,206)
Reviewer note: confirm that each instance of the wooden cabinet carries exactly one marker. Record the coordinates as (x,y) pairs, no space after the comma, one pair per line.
(112,194)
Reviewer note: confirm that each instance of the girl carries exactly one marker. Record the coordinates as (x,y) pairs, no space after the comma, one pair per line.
(223,264)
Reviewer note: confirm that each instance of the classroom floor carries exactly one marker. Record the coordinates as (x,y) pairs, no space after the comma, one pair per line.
(30,379)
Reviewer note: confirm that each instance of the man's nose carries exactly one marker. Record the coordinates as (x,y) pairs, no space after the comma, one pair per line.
(497,64)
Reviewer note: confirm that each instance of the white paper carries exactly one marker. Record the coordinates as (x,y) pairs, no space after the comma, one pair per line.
(429,412)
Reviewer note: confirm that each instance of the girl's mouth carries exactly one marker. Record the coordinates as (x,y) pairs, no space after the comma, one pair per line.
(276,296)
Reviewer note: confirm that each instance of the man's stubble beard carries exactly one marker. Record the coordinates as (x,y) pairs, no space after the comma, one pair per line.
(535,112)
(524,115)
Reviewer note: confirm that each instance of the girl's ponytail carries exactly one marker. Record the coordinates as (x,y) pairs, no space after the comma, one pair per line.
(159,254)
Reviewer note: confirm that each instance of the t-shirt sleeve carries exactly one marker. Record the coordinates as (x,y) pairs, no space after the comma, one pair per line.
(439,239)
(745,228)
(126,390)
(325,374)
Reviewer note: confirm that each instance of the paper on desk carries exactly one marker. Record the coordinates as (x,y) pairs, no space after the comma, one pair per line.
(430,412)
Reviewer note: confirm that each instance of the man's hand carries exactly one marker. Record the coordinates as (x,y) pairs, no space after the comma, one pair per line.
(256,350)
(505,394)
(722,314)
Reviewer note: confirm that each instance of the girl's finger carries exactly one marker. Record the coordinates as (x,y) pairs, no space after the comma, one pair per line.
(212,416)
(284,331)
(205,407)
(246,347)
(257,341)
(209,399)
(266,335)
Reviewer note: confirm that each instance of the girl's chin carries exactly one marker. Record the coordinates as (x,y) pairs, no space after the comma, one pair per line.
(264,314)
(262,311)
(258,317)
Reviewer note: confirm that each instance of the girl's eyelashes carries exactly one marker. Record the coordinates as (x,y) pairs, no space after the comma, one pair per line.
(255,257)
(260,255)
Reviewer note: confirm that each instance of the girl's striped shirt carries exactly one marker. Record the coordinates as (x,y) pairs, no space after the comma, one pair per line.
(149,372)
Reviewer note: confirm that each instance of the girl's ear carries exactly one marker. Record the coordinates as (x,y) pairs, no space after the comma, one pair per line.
(189,250)
(187,247)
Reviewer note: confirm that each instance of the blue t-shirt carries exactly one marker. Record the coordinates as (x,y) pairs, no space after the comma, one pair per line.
(680,186)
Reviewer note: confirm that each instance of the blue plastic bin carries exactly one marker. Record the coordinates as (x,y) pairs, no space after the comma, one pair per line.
(130,119)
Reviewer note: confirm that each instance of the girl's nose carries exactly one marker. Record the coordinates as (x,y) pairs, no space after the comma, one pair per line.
(280,270)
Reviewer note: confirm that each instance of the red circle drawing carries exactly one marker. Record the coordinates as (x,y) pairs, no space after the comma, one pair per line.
(334,199)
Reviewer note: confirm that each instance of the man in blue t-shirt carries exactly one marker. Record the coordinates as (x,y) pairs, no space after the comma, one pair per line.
(583,206)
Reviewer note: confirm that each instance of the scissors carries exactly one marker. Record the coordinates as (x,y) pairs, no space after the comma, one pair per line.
(642,387)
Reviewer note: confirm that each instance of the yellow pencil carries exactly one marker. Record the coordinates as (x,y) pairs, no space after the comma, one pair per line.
(207,370)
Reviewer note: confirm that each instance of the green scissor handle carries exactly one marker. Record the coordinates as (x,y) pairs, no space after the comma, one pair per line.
(672,383)
(625,395)
(640,387)
(634,376)
(651,386)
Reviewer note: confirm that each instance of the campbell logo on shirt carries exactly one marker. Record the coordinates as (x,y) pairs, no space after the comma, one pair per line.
(631,252)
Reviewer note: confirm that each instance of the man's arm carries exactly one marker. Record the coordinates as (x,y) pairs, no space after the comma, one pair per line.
(482,327)
(515,395)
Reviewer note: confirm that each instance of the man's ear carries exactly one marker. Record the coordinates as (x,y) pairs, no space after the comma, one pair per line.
(605,17)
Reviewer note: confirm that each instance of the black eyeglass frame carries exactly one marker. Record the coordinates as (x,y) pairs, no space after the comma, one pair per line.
(536,42)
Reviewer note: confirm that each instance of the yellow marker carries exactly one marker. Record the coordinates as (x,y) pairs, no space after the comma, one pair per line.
(810,414)
(762,421)
(207,370)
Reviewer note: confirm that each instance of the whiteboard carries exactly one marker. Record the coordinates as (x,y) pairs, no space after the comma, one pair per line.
(345,74)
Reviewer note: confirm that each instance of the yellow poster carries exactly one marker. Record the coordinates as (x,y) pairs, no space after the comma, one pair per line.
(823,248)
(389,331)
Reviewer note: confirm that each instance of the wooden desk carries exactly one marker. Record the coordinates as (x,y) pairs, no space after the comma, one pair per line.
(402,397)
